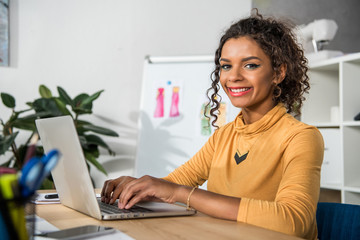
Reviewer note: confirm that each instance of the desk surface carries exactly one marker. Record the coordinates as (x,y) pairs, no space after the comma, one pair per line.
(199,226)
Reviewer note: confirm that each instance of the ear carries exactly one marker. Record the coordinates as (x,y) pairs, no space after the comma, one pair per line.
(282,74)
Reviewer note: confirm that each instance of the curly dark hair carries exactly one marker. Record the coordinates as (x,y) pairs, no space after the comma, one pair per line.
(279,42)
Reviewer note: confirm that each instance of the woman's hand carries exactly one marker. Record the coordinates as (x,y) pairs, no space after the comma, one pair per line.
(130,191)
(112,188)
(148,188)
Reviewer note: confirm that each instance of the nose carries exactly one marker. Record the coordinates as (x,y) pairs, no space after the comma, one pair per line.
(235,74)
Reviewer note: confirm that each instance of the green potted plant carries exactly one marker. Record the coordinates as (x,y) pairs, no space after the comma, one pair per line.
(51,106)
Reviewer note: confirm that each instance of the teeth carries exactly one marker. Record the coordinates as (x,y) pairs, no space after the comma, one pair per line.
(237,90)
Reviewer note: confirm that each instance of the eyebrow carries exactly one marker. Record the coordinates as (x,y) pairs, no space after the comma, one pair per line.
(243,60)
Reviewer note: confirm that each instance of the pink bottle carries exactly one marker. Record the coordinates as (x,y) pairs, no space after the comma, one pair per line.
(159,110)
(174,109)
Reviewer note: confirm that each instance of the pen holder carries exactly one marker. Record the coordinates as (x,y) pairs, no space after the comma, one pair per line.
(17,219)
(17,214)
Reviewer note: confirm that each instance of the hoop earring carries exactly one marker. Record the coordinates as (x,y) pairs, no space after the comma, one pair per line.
(277,92)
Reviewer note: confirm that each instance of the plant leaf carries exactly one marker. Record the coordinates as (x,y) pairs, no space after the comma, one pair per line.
(93,161)
(6,141)
(8,100)
(79,99)
(90,99)
(62,106)
(80,108)
(47,105)
(65,97)
(97,129)
(90,148)
(45,92)
(22,111)
(81,111)
(82,122)
(28,122)
(94,139)
(25,124)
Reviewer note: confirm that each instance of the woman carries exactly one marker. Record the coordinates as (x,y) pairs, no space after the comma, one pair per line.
(264,167)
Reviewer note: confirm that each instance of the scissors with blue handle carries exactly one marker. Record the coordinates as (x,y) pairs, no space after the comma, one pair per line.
(36,170)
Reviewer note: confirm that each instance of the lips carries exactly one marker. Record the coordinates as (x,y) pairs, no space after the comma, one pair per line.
(237,92)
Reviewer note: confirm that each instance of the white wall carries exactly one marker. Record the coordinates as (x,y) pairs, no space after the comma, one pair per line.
(344,13)
(88,45)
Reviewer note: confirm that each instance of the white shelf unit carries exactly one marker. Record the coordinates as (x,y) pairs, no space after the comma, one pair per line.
(336,82)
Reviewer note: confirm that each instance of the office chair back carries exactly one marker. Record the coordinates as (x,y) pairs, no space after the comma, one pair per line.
(338,221)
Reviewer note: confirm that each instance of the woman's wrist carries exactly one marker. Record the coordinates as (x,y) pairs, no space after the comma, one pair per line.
(182,194)
(188,207)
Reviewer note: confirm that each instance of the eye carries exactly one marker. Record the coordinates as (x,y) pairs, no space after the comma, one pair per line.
(225,67)
(252,66)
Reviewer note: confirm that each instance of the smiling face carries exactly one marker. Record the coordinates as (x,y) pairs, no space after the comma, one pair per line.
(247,76)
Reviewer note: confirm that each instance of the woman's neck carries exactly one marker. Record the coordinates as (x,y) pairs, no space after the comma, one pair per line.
(252,115)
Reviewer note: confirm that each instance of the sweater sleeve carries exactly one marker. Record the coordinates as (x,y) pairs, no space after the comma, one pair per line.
(195,171)
(294,209)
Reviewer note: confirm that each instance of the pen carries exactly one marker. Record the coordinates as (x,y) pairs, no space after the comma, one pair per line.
(51,196)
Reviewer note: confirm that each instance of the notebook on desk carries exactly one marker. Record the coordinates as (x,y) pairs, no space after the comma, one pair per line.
(73,182)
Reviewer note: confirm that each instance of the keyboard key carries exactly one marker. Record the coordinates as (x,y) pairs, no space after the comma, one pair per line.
(113,208)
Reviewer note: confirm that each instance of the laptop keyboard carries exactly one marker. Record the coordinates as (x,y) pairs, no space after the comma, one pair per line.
(113,208)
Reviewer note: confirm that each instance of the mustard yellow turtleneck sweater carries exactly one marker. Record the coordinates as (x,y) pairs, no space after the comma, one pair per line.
(278,182)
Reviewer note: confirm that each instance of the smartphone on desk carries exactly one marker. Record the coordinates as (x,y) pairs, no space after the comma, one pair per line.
(82,232)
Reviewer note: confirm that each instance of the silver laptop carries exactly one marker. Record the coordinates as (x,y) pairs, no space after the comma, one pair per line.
(72,179)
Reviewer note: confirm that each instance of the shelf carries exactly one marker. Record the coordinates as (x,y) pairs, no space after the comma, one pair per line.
(331,187)
(328,65)
(334,125)
(353,57)
(322,96)
(352,123)
(325,125)
(335,84)
(352,189)
(331,64)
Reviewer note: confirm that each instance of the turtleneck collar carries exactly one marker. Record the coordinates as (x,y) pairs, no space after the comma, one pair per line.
(263,124)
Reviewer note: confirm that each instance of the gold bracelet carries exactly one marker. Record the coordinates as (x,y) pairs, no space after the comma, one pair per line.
(188,199)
